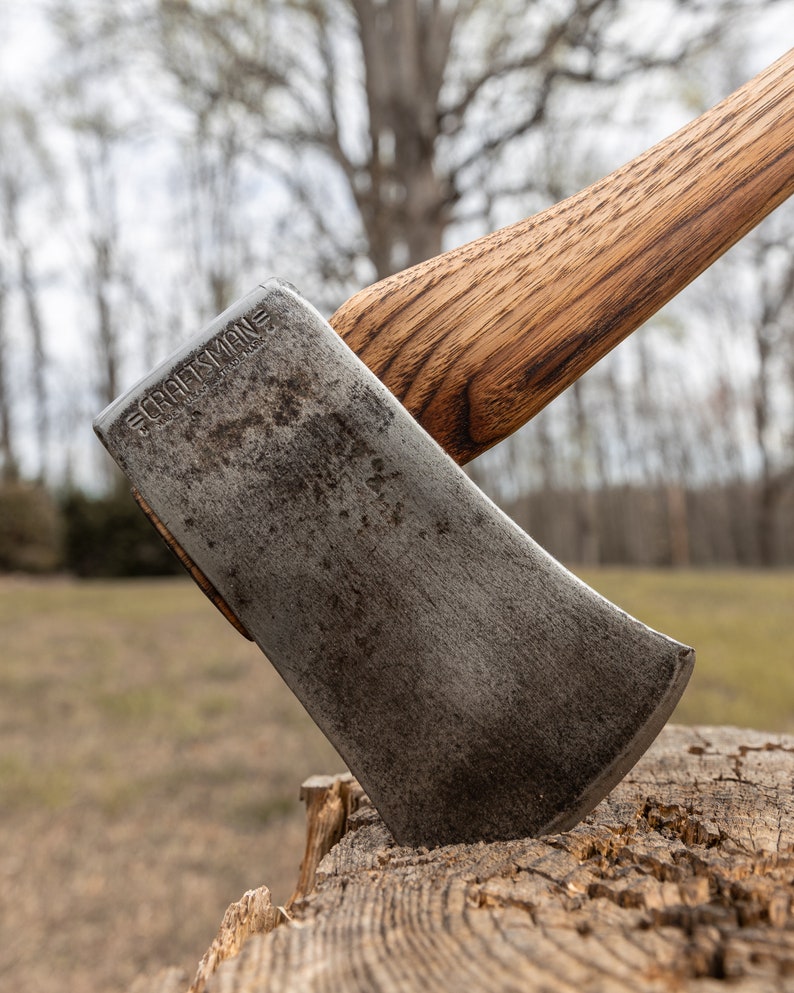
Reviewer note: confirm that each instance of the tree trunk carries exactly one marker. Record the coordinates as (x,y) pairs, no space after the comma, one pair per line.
(404,204)
(680,880)
(678,526)
(8,463)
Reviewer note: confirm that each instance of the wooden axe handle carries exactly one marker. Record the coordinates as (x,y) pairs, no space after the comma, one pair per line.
(478,340)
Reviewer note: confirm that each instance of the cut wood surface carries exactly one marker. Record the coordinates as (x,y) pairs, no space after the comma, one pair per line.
(681,880)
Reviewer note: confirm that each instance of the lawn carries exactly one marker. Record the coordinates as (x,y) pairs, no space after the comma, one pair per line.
(150,758)
(741,625)
(150,762)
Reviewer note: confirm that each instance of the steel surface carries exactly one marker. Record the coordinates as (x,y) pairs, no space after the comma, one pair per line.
(475,687)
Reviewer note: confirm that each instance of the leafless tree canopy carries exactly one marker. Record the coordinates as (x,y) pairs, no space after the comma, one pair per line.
(175,151)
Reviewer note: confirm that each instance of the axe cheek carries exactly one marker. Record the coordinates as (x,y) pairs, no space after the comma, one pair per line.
(476,689)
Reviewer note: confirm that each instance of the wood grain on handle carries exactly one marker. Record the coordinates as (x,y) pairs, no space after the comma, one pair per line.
(478,340)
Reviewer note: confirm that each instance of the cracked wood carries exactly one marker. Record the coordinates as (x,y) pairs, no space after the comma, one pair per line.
(681,880)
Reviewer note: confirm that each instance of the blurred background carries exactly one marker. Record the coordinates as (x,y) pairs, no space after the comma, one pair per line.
(158,158)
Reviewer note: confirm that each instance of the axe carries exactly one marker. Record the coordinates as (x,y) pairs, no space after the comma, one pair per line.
(307,474)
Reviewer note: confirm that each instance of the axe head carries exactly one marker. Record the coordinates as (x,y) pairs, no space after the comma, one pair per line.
(476,689)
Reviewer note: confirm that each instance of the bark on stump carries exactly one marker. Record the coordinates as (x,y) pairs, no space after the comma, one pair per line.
(682,879)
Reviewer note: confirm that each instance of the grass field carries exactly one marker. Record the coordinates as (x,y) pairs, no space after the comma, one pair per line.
(150,758)
(742,627)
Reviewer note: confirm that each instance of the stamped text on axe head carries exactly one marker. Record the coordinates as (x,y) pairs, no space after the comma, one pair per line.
(476,689)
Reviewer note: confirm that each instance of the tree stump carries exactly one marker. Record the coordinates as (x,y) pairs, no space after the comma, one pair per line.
(681,879)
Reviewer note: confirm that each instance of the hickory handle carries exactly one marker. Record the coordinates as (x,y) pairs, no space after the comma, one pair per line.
(479,339)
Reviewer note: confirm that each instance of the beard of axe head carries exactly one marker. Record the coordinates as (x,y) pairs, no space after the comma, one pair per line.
(476,689)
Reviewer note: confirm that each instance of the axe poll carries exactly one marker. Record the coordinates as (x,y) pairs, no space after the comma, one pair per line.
(475,687)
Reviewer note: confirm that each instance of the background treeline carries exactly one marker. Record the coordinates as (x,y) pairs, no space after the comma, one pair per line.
(160,157)
(89,536)
(107,536)
(667,526)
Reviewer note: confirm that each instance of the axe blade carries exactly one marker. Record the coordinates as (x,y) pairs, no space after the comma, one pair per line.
(476,688)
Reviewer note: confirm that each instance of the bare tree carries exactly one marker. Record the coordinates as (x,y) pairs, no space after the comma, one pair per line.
(420,106)
(89,102)
(9,469)
(378,132)
(28,289)
(25,168)
(773,337)
(99,254)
